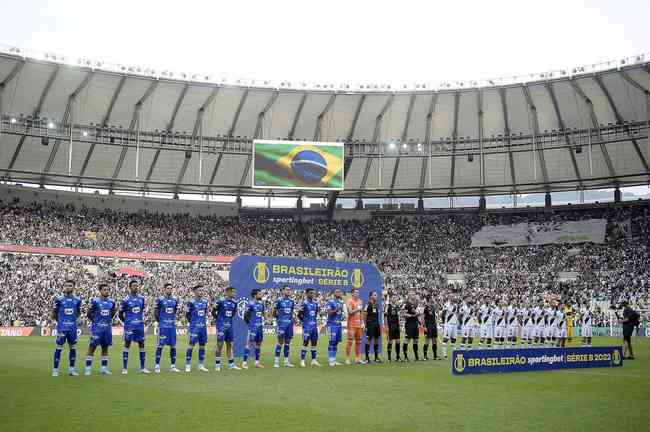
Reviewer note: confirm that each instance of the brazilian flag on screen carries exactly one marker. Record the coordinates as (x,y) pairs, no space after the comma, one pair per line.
(297,165)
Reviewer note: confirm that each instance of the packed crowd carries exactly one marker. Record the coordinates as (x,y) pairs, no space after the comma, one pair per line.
(416,253)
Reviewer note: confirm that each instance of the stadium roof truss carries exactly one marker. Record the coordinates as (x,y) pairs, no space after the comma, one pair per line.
(157,134)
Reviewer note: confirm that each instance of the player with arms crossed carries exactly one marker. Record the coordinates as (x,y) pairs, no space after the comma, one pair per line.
(165,313)
(391,314)
(254,317)
(132,315)
(196,313)
(450,325)
(223,313)
(355,327)
(538,321)
(586,330)
(373,332)
(66,311)
(334,326)
(100,314)
(308,316)
(283,313)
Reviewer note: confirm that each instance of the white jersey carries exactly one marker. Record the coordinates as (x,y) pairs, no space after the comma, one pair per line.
(498,317)
(560,319)
(466,315)
(451,315)
(485,315)
(511,315)
(585,317)
(549,315)
(526,316)
(538,315)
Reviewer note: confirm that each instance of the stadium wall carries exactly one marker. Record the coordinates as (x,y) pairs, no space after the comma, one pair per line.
(118,202)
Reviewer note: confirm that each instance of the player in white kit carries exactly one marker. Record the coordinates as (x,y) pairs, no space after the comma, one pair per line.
(560,326)
(468,324)
(499,318)
(449,325)
(526,319)
(487,325)
(585,329)
(538,323)
(549,329)
(511,325)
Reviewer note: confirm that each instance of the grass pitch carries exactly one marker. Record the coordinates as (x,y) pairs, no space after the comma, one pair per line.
(398,397)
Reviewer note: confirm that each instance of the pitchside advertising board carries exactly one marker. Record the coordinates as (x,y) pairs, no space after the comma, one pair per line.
(302,165)
(534,359)
(270,273)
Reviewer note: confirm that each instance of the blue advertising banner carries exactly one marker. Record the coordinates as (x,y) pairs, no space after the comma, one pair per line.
(273,273)
(467,362)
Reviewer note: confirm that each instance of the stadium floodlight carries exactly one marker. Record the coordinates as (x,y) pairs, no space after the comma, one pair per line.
(84,133)
(13,120)
(391,145)
(50,125)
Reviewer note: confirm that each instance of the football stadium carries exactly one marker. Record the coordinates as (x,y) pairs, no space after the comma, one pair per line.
(330,217)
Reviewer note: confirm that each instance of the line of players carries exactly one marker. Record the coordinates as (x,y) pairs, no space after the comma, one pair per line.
(496,325)
(103,309)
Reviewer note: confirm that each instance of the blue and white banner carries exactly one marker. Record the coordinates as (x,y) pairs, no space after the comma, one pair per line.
(270,274)
(467,362)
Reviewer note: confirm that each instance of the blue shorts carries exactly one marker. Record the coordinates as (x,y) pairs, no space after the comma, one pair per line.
(310,335)
(199,335)
(69,336)
(225,334)
(134,335)
(167,336)
(102,336)
(335,333)
(285,331)
(256,335)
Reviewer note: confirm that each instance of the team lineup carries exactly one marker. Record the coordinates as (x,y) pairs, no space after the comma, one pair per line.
(494,325)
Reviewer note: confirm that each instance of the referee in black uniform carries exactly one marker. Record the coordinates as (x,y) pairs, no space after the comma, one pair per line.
(392,322)
(430,330)
(411,327)
(372,327)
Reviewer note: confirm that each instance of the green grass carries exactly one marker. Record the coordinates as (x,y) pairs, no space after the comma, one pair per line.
(400,397)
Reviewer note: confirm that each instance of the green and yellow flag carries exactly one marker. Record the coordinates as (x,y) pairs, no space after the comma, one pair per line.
(297,165)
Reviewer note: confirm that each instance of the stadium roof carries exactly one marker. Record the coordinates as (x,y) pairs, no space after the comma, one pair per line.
(137,129)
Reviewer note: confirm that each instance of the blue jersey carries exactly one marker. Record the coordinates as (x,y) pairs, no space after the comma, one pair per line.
(309,311)
(102,312)
(255,313)
(337,306)
(284,308)
(224,312)
(67,309)
(196,313)
(133,310)
(166,308)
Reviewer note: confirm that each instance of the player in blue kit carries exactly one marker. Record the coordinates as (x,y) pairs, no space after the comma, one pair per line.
(165,313)
(254,317)
(223,313)
(132,315)
(283,313)
(100,313)
(308,316)
(196,312)
(334,327)
(66,311)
